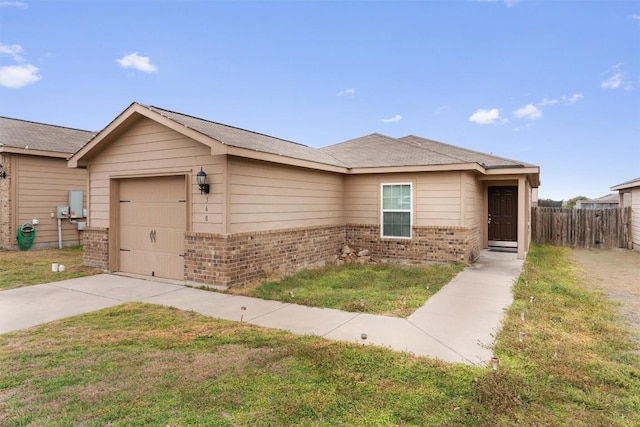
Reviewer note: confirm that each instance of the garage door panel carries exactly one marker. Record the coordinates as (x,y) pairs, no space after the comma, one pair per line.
(136,262)
(169,241)
(153,220)
(168,265)
(135,238)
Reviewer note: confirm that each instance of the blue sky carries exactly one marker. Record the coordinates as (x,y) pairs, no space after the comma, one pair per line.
(552,83)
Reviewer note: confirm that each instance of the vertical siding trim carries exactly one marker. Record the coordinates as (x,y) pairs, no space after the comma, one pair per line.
(188,201)
(485,216)
(522,217)
(462,197)
(88,200)
(226,174)
(114,224)
(14,195)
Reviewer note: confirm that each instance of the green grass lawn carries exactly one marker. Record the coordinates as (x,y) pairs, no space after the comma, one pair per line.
(139,364)
(24,268)
(387,289)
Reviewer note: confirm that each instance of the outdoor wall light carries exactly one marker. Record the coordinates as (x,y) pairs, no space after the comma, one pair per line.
(201,177)
(3,174)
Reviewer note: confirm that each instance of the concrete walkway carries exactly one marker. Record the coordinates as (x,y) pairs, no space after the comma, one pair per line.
(458,324)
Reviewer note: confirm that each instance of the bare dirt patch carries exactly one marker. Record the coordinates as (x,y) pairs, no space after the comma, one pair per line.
(617,274)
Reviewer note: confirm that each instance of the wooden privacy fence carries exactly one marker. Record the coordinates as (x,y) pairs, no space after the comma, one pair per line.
(582,228)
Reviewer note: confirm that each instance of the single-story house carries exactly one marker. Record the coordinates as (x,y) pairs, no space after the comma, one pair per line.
(610,201)
(267,204)
(35,180)
(629,193)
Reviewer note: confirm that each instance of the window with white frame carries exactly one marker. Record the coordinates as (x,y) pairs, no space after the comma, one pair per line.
(397,205)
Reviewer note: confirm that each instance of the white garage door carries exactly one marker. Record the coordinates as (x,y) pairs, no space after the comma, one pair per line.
(152,226)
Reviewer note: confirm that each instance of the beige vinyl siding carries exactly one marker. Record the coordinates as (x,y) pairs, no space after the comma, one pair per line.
(42,184)
(473,192)
(635,218)
(264,196)
(437,197)
(150,149)
(362,199)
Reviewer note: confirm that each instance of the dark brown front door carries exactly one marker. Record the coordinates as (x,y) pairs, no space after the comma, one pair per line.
(503,216)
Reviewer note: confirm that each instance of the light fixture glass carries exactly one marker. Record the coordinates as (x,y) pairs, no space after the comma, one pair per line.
(201,178)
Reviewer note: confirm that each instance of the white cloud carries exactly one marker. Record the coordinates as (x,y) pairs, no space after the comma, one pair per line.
(17,76)
(137,62)
(529,112)
(614,81)
(393,119)
(13,50)
(564,99)
(547,101)
(636,17)
(573,98)
(351,91)
(486,117)
(13,4)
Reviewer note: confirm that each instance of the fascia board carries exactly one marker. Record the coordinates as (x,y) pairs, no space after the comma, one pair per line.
(32,152)
(424,168)
(275,158)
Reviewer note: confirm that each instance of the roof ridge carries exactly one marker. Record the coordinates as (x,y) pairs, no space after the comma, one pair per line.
(431,151)
(46,124)
(359,137)
(160,109)
(465,149)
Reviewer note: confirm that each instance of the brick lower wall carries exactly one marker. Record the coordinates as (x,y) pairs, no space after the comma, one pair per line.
(444,244)
(95,242)
(7,238)
(228,260)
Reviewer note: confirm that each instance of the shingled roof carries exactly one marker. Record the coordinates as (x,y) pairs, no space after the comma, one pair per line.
(372,151)
(26,135)
(463,155)
(249,140)
(378,150)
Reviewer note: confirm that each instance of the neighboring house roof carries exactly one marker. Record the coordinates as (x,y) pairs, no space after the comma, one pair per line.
(627,185)
(25,137)
(609,198)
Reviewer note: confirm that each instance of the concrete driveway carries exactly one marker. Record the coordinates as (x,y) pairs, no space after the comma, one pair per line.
(455,325)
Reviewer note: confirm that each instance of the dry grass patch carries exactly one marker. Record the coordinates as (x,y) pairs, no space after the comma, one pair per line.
(24,268)
(113,368)
(140,364)
(385,289)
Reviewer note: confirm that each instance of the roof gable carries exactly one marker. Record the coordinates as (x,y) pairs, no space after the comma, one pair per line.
(241,138)
(375,153)
(222,139)
(28,136)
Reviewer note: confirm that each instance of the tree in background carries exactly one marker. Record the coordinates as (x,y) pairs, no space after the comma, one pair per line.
(548,203)
(571,203)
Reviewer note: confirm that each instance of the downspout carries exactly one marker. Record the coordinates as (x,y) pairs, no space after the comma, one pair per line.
(59,233)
